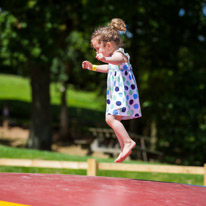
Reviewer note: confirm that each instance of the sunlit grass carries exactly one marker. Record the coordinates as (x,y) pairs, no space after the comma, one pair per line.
(18,88)
(14,87)
(77,98)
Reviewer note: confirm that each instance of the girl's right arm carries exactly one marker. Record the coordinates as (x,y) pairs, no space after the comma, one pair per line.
(99,68)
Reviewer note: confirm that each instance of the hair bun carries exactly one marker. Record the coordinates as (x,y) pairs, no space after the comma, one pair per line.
(118,24)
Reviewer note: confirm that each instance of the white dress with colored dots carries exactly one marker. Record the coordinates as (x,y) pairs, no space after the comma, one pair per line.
(122,91)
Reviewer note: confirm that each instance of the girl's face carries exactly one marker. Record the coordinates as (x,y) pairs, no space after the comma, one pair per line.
(106,49)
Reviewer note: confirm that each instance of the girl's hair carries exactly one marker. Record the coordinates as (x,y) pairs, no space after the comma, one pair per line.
(110,33)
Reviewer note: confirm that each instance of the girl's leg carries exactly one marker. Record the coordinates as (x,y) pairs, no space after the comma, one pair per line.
(119,139)
(109,120)
(119,158)
(126,143)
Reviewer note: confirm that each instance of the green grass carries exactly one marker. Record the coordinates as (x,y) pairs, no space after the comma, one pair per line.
(15,91)
(9,152)
(14,87)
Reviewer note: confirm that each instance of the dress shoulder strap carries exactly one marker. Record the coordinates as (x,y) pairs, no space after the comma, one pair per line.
(123,52)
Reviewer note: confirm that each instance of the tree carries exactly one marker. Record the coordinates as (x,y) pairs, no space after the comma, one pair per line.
(39,28)
(170,52)
(165,40)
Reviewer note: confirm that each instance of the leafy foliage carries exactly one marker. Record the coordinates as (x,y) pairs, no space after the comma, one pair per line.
(166,41)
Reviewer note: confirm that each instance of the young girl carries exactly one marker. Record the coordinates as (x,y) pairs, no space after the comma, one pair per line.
(122,92)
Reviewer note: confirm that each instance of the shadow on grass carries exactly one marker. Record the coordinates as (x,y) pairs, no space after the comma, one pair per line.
(5,142)
(20,113)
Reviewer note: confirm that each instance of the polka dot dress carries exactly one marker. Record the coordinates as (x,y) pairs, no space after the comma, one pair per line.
(122,91)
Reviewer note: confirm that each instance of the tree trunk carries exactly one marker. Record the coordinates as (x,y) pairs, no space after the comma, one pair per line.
(40,131)
(64,131)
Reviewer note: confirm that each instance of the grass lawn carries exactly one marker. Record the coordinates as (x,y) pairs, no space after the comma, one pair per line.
(9,152)
(15,91)
(14,87)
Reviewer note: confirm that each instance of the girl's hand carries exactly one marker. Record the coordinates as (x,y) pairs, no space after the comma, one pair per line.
(100,57)
(86,65)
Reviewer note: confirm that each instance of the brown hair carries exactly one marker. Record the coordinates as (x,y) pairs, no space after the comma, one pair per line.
(110,33)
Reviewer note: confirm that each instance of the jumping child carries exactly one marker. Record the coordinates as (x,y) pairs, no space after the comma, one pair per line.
(122,92)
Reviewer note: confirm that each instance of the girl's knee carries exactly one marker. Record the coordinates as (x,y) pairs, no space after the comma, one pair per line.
(109,120)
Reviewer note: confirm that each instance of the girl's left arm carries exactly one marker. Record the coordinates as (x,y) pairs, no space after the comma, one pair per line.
(117,58)
(98,68)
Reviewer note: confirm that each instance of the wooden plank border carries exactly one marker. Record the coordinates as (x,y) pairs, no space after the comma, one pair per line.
(43,163)
(92,166)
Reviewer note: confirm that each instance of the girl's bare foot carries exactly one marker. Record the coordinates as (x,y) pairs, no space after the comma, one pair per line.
(120,156)
(127,150)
